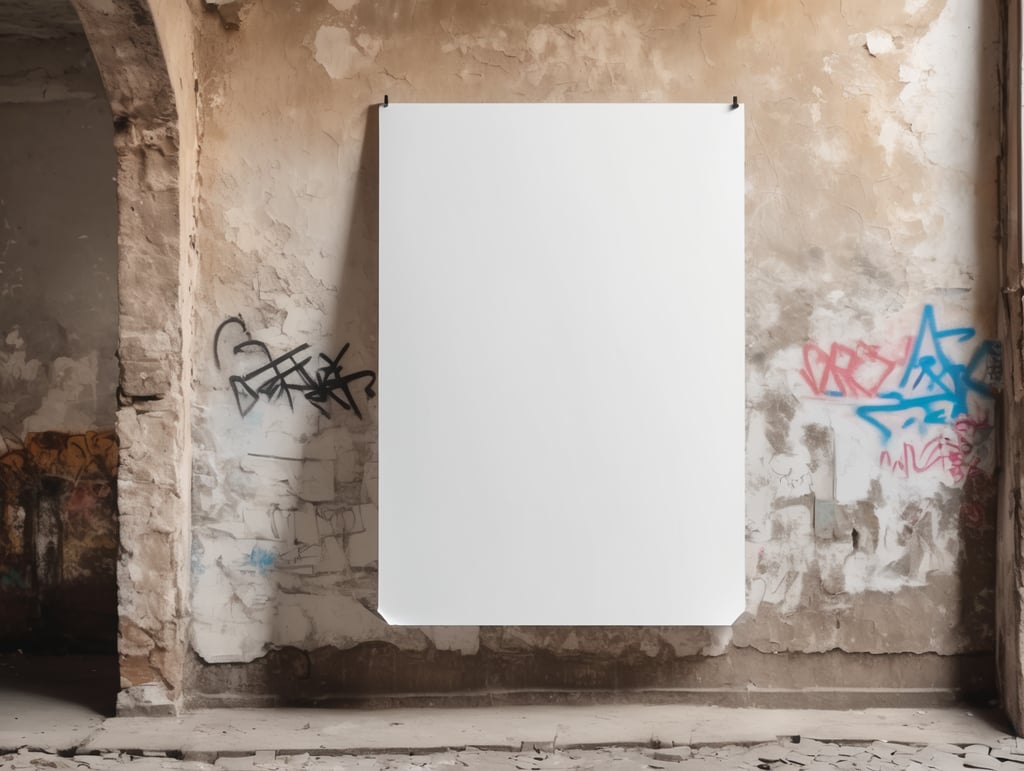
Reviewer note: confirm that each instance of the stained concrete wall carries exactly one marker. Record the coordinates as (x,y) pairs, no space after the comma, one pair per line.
(58,335)
(872,377)
(59,272)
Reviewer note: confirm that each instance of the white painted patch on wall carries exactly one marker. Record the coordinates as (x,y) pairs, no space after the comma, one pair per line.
(913,6)
(879,43)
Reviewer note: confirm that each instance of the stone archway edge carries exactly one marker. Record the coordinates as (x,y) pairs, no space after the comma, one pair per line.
(155,215)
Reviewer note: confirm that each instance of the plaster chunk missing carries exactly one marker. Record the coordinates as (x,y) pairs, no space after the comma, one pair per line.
(464,639)
(336,52)
(230,12)
(879,43)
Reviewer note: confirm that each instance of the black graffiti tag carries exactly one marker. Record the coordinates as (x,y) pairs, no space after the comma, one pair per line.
(289,375)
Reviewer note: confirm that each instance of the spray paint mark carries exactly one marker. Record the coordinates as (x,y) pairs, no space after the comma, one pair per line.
(934,379)
(261,559)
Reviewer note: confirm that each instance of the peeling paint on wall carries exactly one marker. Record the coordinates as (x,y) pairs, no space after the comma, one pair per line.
(871,162)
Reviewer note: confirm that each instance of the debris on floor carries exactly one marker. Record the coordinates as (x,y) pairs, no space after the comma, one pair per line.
(790,755)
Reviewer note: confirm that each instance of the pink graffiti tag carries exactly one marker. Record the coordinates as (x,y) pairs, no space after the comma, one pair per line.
(956,455)
(913,461)
(843,371)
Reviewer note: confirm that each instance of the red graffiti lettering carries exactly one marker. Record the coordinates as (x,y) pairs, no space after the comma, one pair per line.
(959,455)
(913,460)
(843,371)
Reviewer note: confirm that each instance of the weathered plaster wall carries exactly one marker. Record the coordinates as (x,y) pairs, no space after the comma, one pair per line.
(58,335)
(145,54)
(58,215)
(871,221)
(154,572)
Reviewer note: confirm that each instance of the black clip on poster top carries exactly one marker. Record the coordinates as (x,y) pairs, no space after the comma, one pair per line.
(385,101)
(735,102)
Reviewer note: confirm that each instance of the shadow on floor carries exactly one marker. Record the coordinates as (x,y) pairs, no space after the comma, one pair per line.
(89,681)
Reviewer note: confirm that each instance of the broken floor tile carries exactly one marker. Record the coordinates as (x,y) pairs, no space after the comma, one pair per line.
(770,752)
(798,758)
(675,754)
(952,749)
(809,746)
(1006,754)
(978,760)
(944,761)
(236,763)
(881,749)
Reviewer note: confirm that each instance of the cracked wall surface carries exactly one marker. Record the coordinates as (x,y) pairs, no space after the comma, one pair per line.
(872,367)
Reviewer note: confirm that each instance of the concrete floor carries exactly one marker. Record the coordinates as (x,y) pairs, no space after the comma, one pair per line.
(42,728)
(54,702)
(805,755)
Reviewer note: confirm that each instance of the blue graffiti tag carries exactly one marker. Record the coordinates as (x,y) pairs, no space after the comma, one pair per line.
(934,387)
(261,559)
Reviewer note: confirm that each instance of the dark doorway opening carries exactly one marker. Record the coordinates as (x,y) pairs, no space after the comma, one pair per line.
(58,367)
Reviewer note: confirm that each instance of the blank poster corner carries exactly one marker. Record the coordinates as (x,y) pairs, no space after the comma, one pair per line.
(389,617)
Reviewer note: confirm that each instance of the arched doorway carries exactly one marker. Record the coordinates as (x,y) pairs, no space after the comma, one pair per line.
(58,343)
(139,84)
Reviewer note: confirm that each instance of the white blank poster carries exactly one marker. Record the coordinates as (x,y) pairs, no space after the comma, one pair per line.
(561,364)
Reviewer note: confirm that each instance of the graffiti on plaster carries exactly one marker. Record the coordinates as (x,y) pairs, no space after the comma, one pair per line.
(261,559)
(325,547)
(935,387)
(860,371)
(57,519)
(931,383)
(927,397)
(74,457)
(960,454)
(282,378)
(85,463)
